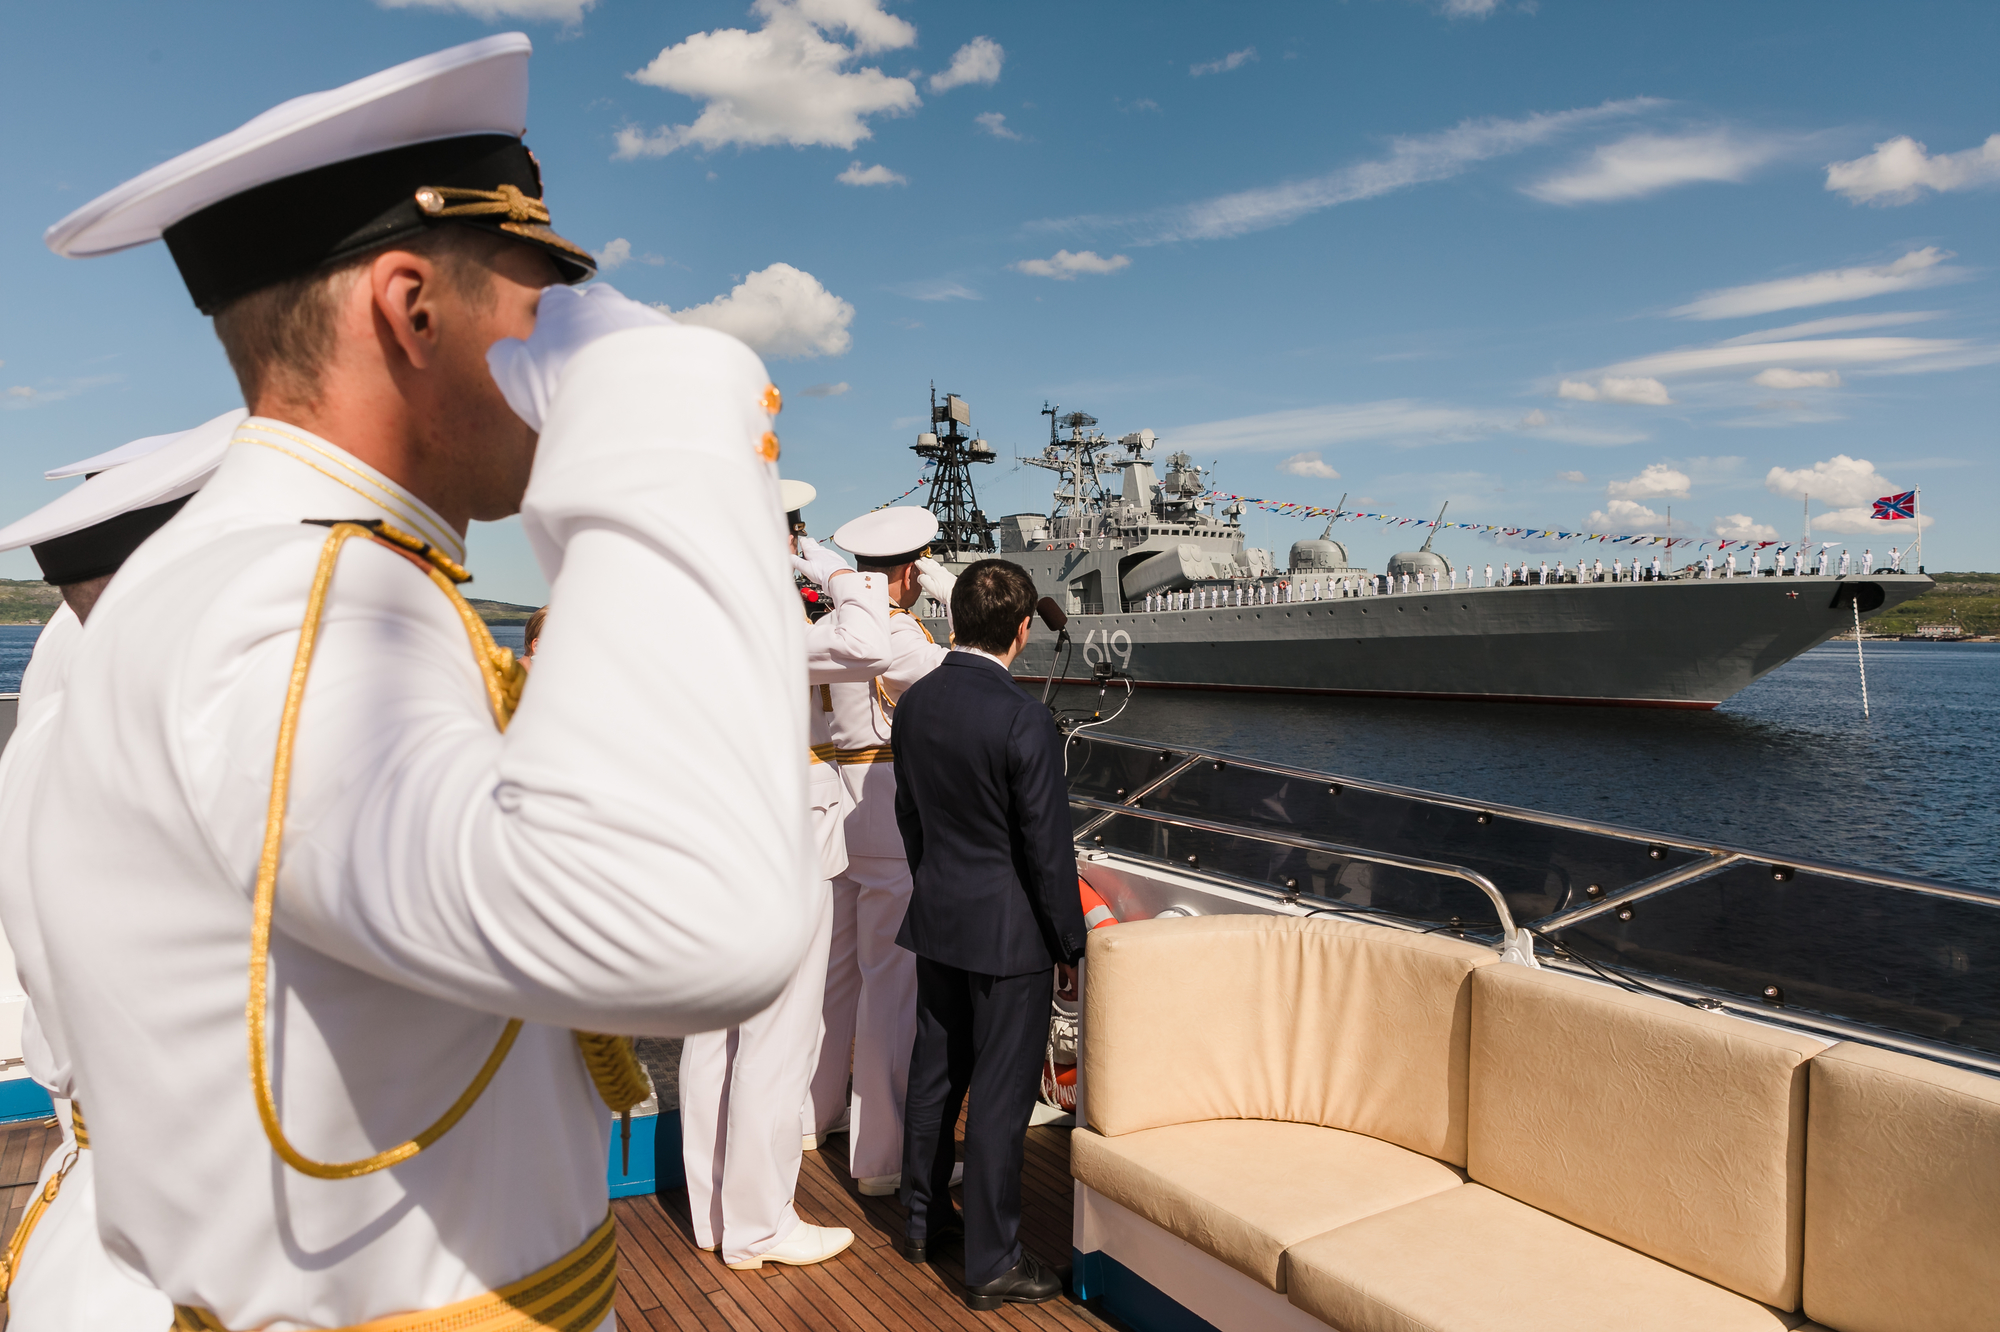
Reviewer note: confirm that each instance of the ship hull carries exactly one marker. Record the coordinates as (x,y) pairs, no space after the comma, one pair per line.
(1689,643)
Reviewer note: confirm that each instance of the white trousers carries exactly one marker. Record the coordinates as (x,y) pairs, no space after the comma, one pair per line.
(871,1008)
(740,1095)
(67,1283)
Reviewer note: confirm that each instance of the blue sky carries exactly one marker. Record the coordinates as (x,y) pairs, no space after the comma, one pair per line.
(1562,264)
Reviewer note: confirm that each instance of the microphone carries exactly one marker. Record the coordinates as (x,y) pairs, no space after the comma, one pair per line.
(1055,618)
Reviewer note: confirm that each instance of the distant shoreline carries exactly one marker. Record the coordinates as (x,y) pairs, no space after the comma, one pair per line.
(26,601)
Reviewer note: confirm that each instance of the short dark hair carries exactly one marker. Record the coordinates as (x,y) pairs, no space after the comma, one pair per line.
(989,603)
(279,337)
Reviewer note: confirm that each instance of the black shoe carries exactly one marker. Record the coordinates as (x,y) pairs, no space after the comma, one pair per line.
(1028,1282)
(920,1250)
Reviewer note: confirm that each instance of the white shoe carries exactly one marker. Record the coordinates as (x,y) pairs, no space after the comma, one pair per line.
(802,1248)
(812,1142)
(882,1186)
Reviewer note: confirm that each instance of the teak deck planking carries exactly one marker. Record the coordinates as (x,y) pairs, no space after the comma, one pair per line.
(665,1284)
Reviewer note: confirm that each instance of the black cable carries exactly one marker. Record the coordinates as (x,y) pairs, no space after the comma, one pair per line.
(1621,980)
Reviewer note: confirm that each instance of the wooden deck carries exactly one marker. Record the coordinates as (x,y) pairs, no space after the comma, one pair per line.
(665,1284)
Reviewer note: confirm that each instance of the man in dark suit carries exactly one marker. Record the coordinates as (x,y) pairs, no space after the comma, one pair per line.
(984,813)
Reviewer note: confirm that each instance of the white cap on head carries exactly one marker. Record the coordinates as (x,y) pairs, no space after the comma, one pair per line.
(795,495)
(335,173)
(100,522)
(888,536)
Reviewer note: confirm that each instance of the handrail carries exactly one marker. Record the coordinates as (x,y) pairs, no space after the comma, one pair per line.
(1874,878)
(1659,883)
(1517,945)
(1145,788)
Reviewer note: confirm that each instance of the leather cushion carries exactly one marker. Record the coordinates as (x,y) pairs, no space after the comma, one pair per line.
(1242,1190)
(1902,1194)
(1477,1260)
(1326,1022)
(1678,1132)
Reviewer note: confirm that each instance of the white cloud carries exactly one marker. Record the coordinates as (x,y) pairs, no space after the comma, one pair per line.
(1839,481)
(1900,169)
(824,390)
(1915,354)
(1234,60)
(1412,160)
(1918,268)
(938,291)
(856,174)
(1861,518)
(779,311)
(569,12)
(1741,527)
(1636,389)
(1574,478)
(20,391)
(994,123)
(1469,8)
(1656,481)
(1308,464)
(784,83)
(978,61)
(1535,417)
(1621,516)
(1643,164)
(1778,377)
(1064,266)
(1812,328)
(618,253)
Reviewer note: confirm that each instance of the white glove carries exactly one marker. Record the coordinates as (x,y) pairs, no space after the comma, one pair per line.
(817,562)
(936,583)
(567,321)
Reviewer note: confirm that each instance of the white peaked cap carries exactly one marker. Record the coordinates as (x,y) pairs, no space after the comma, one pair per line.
(888,533)
(478,88)
(163,468)
(795,495)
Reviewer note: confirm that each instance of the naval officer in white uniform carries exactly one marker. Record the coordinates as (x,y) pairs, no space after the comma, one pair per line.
(741,1088)
(57,1277)
(452,908)
(871,982)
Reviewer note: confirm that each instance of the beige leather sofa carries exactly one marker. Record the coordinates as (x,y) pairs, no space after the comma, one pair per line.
(1395,1132)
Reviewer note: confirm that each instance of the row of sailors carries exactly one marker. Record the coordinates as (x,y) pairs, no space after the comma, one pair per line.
(1451,579)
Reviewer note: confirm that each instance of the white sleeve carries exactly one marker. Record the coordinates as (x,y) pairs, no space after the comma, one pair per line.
(633,854)
(913,654)
(851,642)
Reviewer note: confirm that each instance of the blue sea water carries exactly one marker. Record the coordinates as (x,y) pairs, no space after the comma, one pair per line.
(1789,766)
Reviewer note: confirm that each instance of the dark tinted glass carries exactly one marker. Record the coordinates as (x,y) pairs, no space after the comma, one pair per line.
(1928,966)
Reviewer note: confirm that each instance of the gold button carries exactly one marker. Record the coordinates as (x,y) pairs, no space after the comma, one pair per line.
(767,447)
(773,401)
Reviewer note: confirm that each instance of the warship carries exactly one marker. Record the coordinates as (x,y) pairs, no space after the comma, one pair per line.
(1154,580)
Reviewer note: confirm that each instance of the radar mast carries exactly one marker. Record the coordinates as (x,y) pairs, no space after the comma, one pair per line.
(962,526)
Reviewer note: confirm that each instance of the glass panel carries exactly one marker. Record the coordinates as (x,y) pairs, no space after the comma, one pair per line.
(1104,771)
(1538,869)
(1411,893)
(1928,966)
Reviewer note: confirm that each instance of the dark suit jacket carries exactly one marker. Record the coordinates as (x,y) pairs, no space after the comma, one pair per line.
(984,813)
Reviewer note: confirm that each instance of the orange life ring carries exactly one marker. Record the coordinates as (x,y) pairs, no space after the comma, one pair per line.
(1096,912)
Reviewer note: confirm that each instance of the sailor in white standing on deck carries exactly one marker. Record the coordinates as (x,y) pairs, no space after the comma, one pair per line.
(871,982)
(741,1087)
(453,909)
(57,1276)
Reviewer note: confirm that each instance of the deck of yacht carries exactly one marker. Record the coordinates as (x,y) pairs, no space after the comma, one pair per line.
(665,1284)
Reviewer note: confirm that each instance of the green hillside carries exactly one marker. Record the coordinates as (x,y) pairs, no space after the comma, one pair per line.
(26,601)
(1970,600)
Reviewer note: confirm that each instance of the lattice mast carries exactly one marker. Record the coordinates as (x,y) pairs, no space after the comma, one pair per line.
(1079,494)
(962,525)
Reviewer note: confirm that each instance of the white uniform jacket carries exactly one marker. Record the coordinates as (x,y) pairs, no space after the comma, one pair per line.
(631,856)
(845,650)
(863,715)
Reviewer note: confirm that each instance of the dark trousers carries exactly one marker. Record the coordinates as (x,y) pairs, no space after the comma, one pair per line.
(989,1035)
